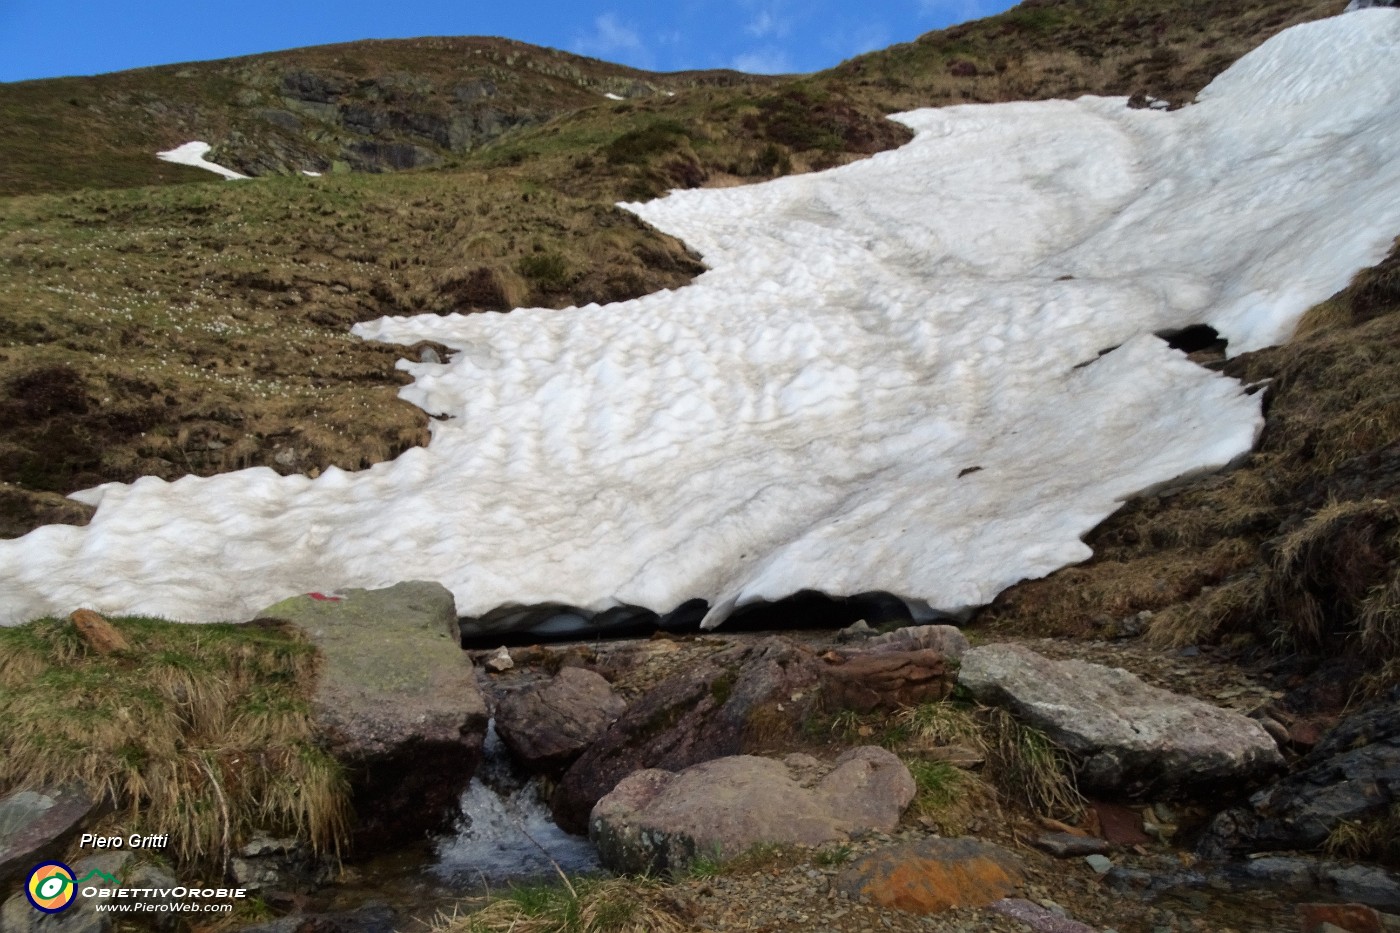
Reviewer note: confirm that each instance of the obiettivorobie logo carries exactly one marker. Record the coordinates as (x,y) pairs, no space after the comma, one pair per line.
(52,888)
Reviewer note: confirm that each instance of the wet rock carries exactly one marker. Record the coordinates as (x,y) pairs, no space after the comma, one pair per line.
(396,701)
(36,826)
(1038,919)
(371,918)
(286,865)
(1130,738)
(1352,775)
(732,702)
(1370,885)
(657,821)
(933,875)
(547,726)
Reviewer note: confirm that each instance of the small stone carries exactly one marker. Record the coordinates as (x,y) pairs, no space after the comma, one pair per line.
(1067,845)
(1099,863)
(500,662)
(856,631)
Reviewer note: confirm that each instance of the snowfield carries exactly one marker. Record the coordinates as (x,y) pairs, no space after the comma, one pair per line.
(193,154)
(799,416)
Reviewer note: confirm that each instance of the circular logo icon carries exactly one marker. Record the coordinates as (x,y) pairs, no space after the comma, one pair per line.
(50,887)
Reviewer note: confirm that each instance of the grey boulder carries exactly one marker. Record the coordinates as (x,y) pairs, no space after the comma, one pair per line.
(656,821)
(396,701)
(1129,738)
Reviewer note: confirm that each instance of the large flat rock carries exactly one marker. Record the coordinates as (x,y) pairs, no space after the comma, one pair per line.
(1130,738)
(396,700)
(656,821)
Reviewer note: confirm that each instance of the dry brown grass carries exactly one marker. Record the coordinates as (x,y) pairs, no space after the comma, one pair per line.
(614,905)
(201,732)
(1297,547)
(1020,762)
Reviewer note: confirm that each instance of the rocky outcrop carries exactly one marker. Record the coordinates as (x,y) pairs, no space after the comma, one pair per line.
(1129,738)
(656,821)
(1352,776)
(933,875)
(731,703)
(37,825)
(547,726)
(396,701)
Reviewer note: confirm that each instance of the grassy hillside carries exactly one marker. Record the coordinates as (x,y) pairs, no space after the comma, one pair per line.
(366,106)
(197,328)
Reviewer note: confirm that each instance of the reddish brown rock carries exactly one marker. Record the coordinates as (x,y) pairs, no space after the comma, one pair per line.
(100,635)
(1120,825)
(547,726)
(933,875)
(1354,918)
(863,680)
(737,701)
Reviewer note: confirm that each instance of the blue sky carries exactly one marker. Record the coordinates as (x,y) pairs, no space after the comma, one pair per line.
(48,38)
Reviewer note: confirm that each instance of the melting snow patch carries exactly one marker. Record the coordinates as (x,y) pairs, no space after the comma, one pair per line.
(193,154)
(797,419)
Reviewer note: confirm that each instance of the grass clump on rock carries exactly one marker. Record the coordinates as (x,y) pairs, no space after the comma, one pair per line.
(1020,762)
(203,732)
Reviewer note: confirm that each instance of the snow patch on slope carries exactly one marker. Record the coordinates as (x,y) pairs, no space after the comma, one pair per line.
(193,154)
(799,416)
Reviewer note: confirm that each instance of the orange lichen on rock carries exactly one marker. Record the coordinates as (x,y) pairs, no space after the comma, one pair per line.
(934,875)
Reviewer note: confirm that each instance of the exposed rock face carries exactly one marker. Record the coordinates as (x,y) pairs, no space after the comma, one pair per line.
(397,701)
(933,875)
(728,705)
(547,726)
(656,821)
(37,825)
(1353,774)
(1130,738)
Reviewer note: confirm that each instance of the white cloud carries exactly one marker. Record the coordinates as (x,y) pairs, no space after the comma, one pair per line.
(611,39)
(769,60)
(768,23)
